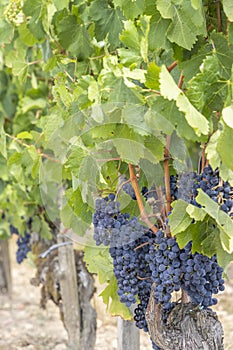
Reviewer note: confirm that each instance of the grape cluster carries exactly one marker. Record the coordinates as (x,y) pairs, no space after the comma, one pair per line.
(112,227)
(142,259)
(185,187)
(202,277)
(14,12)
(23,243)
(218,190)
(164,262)
(128,188)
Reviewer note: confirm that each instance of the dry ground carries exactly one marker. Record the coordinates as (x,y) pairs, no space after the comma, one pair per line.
(24,326)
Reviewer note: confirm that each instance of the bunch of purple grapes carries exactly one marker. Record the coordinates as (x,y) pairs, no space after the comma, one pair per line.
(142,259)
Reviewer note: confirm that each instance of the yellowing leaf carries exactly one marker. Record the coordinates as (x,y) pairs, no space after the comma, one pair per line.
(24,135)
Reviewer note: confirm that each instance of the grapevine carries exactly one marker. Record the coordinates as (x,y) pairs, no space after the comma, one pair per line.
(124,128)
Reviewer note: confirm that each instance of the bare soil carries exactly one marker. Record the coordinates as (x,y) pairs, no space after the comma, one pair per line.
(24,326)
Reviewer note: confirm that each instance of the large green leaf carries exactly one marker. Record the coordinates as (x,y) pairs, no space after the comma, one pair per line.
(170,90)
(206,89)
(108,22)
(186,23)
(98,261)
(224,222)
(158,29)
(130,36)
(131,8)
(74,37)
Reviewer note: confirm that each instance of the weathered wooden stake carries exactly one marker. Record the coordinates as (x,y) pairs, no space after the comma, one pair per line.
(69,292)
(128,337)
(5,268)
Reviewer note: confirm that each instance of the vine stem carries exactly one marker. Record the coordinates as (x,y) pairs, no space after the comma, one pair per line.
(218,11)
(172,66)
(181,80)
(167,174)
(143,213)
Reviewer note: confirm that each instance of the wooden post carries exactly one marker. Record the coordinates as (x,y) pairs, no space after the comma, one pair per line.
(128,337)
(69,292)
(5,268)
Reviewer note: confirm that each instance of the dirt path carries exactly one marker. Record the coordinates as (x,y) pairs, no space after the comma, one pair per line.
(24,326)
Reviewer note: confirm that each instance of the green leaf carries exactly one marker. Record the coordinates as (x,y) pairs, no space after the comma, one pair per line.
(130,36)
(179,153)
(227,114)
(36,11)
(224,54)
(80,208)
(224,222)
(170,90)
(186,22)
(45,231)
(192,62)
(3,149)
(228,9)
(179,220)
(74,37)
(181,31)
(157,38)
(224,145)
(99,261)
(165,116)
(118,91)
(195,213)
(211,150)
(194,118)
(16,61)
(131,8)
(6,32)
(108,22)
(26,36)
(168,87)
(129,150)
(152,76)
(116,308)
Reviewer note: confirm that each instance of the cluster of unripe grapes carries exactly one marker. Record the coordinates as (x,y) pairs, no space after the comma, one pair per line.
(14,13)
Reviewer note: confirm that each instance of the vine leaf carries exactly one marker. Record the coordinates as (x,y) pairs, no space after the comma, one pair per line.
(186,21)
(98,261)
(111,299)
(227,114)
(222,220)
(228,9)
(108,22)
(170,90)
(179,220)
(74,37)
(131,9)
(224,145)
